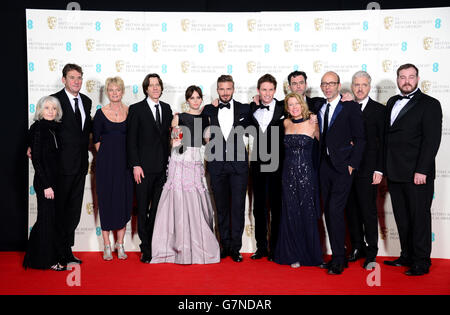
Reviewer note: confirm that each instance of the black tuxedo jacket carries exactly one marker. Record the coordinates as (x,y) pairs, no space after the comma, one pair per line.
(346,127)
(276,122)
(374,115)
(413,140)
(148,146)
(239,154)
(74,142)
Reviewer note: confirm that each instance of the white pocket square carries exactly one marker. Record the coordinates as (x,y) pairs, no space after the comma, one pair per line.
(242,119)
(282,117)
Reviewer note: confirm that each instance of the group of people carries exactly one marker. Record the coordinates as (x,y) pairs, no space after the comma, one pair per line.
(309,156)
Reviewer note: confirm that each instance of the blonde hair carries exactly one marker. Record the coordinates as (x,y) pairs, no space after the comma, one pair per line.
(305,109)
(117,81)
(48,99)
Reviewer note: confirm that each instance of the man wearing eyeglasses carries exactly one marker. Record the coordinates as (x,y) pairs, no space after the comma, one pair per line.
(342,141)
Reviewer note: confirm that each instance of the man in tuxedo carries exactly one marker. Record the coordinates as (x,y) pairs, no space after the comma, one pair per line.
(362,203)
(228,165)
(297,84)
(342,142)
(413,135)
(74,133)
(266,182)
(148,140)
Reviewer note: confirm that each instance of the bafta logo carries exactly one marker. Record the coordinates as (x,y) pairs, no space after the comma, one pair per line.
(120,65)
(90,44)
(185,25)
(185,66)
(118,23)
(427,43)
(184,107)
(317,66)
(388,22)
(288,44)
(251,66)
(156,45)
(251,25)
(222,45)
(51,21)
(356,44)
(386,64)
(90,208)
(425,86)
(90,85)
(318,24)
(249,230)
(52,64)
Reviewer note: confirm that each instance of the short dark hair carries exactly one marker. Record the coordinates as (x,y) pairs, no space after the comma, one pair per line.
(190,90)
(146,82)
(407,66)
(225,78)
(267,78)
(296,74)
(71,66)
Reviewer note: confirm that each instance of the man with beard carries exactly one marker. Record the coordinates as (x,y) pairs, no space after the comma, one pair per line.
(228,165)
(413,135)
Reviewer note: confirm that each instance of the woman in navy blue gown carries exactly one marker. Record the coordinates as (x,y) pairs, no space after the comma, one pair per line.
(113,178)
(299,241)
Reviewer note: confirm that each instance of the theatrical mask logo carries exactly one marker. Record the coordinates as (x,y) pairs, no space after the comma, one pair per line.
(288,44)
(286,88)
(184,107)
(356,44)
(118,23)
(249,230)
(318,24)
(386,64)
(185,66)
(388,22)
(427,43)
(221,45)
(90,85)
(251,66)
(52,64)
(156,45)
(120,64)
(317,66)
(90,208)
(51,21)
(90,44)
(185,25)
(425,86)
(251,25)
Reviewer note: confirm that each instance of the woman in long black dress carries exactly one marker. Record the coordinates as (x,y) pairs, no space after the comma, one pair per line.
(113,177)
(298,240)
(41,250)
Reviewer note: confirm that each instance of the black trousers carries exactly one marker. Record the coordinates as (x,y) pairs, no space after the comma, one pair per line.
(266,207)
(362,216)
(229,190)
(69,200)
(411,204)
(148,193)
(335,188)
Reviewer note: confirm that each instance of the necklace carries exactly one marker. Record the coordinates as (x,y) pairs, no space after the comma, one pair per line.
(297,121)
(116,112)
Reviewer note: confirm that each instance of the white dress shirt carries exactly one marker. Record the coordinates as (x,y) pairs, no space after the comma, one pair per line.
(226,119)
(80,106)
(398,106)
(333,105)
(152,104)
(364,103)
(264,116)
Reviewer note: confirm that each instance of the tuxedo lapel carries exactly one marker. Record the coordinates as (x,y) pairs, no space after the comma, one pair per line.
(148,112)
(335,114)
(412,102)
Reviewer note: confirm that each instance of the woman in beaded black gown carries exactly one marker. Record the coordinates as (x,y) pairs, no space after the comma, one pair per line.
(299,240)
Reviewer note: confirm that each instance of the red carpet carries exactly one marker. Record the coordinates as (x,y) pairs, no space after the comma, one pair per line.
(227,278)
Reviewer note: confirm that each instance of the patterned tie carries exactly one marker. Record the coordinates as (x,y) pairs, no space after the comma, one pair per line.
(77,113)
(158,117)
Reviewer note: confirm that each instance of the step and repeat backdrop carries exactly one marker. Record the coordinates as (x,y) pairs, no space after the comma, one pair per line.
(196,48)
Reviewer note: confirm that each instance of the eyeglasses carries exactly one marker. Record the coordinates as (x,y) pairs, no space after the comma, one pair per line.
(325,84)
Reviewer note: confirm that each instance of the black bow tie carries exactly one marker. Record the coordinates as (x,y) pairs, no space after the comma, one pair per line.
(264,107)
(222,105)
(402,97)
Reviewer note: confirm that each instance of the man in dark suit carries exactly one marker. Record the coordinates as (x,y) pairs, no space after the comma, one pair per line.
(265,166)
(228,165)
(362,203)
(297,84)
(413,135)
(342,142)
(148,140)
(73,149)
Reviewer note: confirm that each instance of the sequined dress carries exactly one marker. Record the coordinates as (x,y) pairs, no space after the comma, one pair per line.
(299,239)
(183,232)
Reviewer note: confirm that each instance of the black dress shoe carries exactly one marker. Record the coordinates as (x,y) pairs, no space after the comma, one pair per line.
(236,256)
(146,258)
(369,263)
(399,262)
(73,260)
(259,254)
(355,255)
(325,265)
(335,269)
(417,271)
